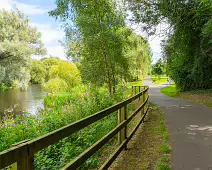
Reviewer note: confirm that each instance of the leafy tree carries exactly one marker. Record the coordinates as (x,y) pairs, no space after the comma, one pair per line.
(159,68)
(66,71)
(48,63)
(188,45)
(97,24)
(63,76)
(18,41)
(139,56)
(56,84)
(37,72)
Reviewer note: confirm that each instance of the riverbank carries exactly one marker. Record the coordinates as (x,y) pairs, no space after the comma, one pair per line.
(60,109)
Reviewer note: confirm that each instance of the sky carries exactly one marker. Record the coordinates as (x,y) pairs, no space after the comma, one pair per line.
(37,11)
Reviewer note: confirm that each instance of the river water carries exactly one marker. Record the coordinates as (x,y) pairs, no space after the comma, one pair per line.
(29,100)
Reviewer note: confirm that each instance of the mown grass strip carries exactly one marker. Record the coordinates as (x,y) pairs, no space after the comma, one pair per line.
(198,96)
(149,148)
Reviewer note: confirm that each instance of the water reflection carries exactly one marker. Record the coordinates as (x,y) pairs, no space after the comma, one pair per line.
(29,100)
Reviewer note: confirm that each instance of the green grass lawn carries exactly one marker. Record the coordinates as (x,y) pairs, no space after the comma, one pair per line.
(136,83)
(159,80)
(198,96)
(170,91)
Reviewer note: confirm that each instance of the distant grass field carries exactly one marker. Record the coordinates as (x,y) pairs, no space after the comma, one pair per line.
(199,96)
(159,80)
(136,83)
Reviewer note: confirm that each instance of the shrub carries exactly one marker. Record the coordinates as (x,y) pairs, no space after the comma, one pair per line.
(60,109)
(56,84)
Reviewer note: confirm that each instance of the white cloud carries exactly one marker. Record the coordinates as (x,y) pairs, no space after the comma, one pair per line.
(50,33)
(6,4)
(51,36)
(29,9)
(56,51)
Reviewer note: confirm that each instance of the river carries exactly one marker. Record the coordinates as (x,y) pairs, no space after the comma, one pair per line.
(29,100)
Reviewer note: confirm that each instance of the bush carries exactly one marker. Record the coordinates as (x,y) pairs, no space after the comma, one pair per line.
(56,84)
(63,108)
(3,87)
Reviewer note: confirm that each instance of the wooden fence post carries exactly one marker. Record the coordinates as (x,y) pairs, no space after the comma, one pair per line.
(25,163)
(139,89)
(144,99)
(122,115)
(132,90)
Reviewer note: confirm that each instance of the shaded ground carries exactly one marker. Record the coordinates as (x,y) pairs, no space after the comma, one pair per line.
(190,127)
(148,148)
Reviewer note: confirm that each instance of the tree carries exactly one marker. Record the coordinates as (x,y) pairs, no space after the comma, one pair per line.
(37,72)
(159,68)
(139,56)
(98,23)
(62,77)
(66,71)
(18,41)
(188,45)
(48,63)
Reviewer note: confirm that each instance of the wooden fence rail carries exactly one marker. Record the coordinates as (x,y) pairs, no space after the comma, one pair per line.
(21,155)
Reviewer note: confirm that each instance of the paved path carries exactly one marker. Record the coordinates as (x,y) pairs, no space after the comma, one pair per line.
(190,127)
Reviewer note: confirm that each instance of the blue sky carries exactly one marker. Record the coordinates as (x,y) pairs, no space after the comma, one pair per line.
(37,11)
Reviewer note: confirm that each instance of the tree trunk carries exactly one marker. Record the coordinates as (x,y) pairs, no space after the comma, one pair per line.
(107,72)
(104,54)
(114,79)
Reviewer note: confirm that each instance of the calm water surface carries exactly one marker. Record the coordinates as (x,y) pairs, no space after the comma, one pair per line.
(29,100)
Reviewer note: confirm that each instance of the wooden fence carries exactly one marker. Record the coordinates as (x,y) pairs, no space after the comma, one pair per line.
(21,155)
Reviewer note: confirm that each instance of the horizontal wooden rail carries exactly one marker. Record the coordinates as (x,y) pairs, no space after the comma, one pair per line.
(23,154)
(94,148)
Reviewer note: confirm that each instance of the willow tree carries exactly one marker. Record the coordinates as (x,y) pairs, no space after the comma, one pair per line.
(97,24)
(139,56)
(18,41)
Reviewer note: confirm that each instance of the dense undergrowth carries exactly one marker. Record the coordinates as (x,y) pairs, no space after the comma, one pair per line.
(61,109)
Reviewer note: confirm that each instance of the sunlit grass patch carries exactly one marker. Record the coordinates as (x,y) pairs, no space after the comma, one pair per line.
(159,79)
(199,96)
(170,91)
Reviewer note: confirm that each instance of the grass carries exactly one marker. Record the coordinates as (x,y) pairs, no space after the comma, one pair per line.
(149,148)
(199,96)
(136,83)
(159,80)
(170,91)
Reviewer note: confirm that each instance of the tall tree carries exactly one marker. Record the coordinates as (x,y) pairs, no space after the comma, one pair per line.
(188,48)
(139,56)
(18,41)
(98,23)
(37,72)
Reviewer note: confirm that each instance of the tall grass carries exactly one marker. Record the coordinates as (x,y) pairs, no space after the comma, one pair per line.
(61,109)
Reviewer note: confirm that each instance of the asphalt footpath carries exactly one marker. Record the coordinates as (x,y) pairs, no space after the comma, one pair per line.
(190,128)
